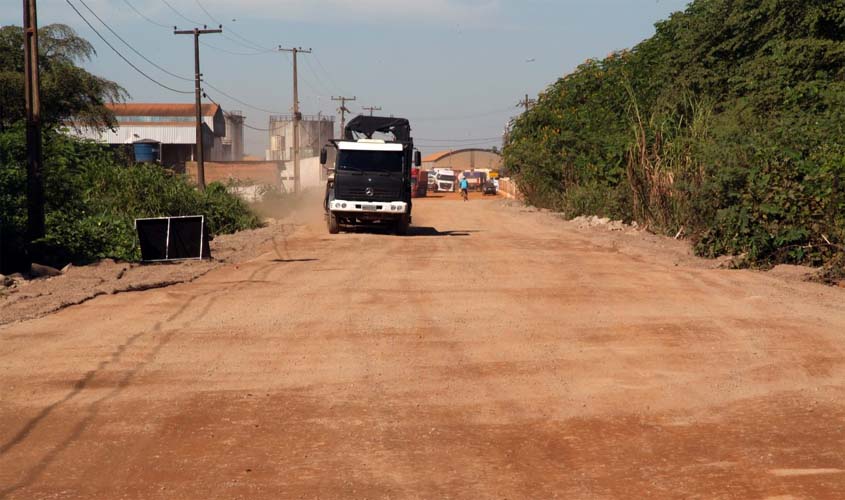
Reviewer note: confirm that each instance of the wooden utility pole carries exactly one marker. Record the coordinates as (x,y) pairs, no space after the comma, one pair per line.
(527,103)
(200,147)
(35,226)
(343,110)
(371,109)
(297,117)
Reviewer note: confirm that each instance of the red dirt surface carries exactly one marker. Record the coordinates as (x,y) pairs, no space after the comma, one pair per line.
(496,352)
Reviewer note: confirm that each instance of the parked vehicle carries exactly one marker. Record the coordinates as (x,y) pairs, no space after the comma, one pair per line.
(419,183)
(371,181)
(490,188)
(476,179)
(445,180)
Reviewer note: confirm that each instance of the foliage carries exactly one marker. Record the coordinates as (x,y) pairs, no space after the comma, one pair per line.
(725,125)
(94,197)
(67,91)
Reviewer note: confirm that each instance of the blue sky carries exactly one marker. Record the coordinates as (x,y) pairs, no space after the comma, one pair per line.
(456,68)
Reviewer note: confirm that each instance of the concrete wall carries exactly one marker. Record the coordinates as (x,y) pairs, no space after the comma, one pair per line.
(508,189)
(267,173)
(311,173)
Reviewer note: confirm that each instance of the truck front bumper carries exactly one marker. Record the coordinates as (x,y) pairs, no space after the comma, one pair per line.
(367,207)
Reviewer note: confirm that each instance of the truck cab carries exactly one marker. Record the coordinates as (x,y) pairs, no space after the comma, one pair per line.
(371,181)
(445,180)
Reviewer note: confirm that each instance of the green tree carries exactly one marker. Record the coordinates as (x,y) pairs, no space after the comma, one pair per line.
(726,124)
(68,92)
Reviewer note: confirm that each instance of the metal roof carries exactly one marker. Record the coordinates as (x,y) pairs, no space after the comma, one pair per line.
(160,109)
(130,134)
(443,154)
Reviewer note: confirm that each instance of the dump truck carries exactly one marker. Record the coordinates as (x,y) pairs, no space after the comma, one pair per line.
(370,181)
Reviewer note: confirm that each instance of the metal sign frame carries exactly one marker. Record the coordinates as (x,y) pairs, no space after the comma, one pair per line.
(167,240)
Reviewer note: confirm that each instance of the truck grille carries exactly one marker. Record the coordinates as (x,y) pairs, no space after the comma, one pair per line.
(355,193)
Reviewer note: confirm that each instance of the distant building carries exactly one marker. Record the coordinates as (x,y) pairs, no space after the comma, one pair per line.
(314,132)
(464,159)
(166,133)
(233,141)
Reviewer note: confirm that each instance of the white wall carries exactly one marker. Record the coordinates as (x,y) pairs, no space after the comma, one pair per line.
(311,174)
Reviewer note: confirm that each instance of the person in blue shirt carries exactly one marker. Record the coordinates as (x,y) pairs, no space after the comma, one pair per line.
(465,189)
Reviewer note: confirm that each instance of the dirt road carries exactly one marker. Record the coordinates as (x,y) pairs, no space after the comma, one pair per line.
(495,353)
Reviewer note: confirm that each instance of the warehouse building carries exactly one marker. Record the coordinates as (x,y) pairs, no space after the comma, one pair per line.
(464,160)
(166,133)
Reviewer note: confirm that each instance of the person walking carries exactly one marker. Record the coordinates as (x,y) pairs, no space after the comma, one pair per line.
(465,189)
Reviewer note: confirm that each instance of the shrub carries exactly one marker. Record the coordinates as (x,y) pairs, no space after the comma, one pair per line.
(727,123)
(93,199)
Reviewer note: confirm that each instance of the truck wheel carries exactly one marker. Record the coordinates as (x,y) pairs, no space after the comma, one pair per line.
(402,225)
(334,227)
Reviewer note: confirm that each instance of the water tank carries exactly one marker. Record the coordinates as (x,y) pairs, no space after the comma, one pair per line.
(146,152)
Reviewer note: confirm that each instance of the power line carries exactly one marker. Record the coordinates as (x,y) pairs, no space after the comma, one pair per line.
(180,14)
(304,80)
(256,108)
(252,45)
(243,123)
(227,51)
(149,20)
(257,129)
(527,103)
(133,49)
(314,72)
(127,61)
(343,110)
(331,80)
(205,44)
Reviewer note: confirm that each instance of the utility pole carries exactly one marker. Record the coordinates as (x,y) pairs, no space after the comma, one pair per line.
(527,103)
(35,226)
(198,94)
(371,109)
(343,110)
(297,117)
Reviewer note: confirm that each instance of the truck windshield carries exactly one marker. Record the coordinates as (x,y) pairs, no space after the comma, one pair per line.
(446,178)
(370,161)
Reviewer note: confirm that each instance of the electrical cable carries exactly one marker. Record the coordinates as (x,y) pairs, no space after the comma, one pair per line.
(227,51)
(127,61)
(314,73)
(196,23)
(244,123)
(252,45)
(256,108)
(257,129)
(149,20)
(329,75)
(219,49)
(133,49)
(304,80)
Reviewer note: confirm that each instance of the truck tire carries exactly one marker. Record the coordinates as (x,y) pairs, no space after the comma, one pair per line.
(402,225)
(334,227)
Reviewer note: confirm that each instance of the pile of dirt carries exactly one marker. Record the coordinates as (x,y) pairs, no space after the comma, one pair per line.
(43,291)
(637,241)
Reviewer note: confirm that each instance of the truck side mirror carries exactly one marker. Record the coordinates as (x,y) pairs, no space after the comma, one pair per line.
(324,156)
(417,159)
